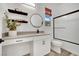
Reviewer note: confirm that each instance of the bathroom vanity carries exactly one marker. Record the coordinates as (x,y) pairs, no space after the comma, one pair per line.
(40,43)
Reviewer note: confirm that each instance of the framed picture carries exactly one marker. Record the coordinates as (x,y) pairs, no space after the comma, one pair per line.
(48,15)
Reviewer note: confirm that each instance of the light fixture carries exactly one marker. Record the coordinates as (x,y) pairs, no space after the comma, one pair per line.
(29,5)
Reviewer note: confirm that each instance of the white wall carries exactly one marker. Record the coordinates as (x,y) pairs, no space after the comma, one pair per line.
(69,26)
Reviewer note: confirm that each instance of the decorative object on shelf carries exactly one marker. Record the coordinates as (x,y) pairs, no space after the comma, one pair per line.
(17,12)
(20,21)
(12,25)
(36,20)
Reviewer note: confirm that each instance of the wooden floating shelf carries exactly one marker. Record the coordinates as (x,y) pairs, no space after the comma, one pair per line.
(17,12)
(21,21)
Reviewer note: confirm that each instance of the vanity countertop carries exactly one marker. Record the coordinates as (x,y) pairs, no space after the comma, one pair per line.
(25,35)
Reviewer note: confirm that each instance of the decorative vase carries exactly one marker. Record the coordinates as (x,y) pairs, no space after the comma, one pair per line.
(12,33)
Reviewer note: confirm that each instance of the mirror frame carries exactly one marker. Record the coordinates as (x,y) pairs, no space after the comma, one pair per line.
(41,19)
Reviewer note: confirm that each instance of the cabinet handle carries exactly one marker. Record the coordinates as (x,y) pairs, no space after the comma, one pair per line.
(43,42)
(19,40)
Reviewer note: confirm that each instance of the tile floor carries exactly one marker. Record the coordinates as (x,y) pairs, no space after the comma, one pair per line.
(63,53)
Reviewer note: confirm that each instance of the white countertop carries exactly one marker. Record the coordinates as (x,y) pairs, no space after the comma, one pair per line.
(27,35)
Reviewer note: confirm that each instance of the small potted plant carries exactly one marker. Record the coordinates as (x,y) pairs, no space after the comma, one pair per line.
(11,25)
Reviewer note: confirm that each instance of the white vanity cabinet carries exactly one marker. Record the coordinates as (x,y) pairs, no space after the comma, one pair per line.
(19,45)
(41,45)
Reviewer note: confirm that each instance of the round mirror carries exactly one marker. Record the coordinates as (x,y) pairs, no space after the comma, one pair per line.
(36,20)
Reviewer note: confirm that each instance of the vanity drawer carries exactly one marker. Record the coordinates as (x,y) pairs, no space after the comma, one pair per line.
(15,41)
